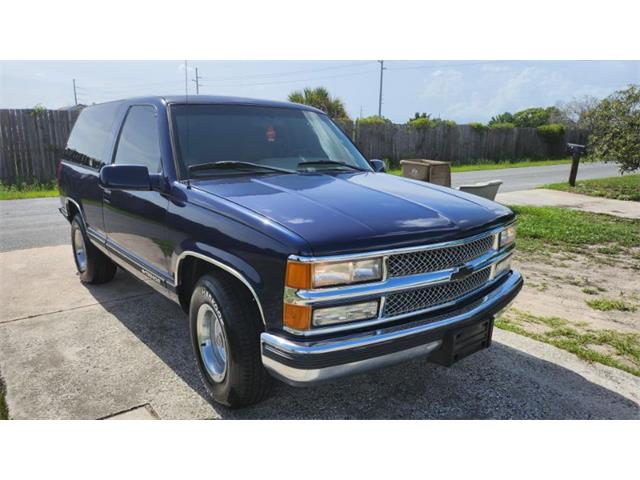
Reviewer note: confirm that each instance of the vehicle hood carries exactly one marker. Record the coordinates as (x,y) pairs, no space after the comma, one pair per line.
(360,211)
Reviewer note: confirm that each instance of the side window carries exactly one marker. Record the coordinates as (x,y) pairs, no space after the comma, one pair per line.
(92,134)
(139,143)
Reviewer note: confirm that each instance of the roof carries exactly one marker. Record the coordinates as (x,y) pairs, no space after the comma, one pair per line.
(220,100)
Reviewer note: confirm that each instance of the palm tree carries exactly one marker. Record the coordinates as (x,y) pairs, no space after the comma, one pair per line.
(320,98)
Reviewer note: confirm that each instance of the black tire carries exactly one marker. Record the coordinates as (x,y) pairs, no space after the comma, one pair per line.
(96,267)
(245,380)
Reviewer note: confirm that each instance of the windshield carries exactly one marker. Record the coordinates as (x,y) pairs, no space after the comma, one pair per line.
(284,138)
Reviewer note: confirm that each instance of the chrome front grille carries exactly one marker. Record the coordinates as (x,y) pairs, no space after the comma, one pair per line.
(434,295)
(425,261)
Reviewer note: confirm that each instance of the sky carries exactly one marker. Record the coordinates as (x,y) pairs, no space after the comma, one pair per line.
(463,91)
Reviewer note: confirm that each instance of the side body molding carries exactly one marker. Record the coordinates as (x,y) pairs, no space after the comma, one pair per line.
(223,266)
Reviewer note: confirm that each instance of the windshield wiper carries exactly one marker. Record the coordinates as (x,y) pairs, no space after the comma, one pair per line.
(234,164)
(310,163)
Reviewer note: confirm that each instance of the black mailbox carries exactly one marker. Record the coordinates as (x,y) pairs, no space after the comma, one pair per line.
(575,149)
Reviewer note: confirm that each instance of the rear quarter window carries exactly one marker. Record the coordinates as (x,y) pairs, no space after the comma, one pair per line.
(92,134)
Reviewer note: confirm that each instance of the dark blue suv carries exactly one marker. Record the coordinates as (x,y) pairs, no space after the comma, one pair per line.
(293,255)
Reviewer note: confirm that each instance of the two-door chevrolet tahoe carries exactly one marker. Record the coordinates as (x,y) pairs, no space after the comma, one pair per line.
(293,255)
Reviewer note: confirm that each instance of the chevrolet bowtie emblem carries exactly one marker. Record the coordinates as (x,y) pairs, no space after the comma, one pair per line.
(461,273)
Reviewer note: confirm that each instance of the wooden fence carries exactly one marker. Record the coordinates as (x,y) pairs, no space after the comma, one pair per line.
(30,143)
(461,144)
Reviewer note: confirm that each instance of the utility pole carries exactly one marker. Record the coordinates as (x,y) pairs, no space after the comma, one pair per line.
(380,97)
(75,94)
(186,80)
(197,82)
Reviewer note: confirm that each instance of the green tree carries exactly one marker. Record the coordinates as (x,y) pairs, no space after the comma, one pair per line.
(423,120)
(505,117)
(321,99)
(615,135)
(532,117)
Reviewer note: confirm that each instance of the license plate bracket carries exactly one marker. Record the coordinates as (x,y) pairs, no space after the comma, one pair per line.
(460,343)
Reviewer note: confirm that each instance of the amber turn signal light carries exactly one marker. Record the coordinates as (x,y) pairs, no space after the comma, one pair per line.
(298,275)
(297,317)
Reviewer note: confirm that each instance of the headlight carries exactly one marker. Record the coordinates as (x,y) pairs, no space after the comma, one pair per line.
(345,313)
(313,275)
(343,273)
(508,236)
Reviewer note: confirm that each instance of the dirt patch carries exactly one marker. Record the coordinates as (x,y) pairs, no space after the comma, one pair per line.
(559,283)
(585,300)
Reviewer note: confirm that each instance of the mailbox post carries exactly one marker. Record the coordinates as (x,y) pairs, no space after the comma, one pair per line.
(576,152)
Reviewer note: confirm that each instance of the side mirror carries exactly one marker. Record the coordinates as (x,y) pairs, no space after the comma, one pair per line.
(125,177)
(378,165)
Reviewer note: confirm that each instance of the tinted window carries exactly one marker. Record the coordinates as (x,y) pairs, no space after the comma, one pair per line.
(139,141)
(277,137)
(91,135)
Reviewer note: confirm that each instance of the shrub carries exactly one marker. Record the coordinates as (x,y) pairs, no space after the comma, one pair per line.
(553,132)
(374,120)
(477,126)
(422,122)
(502,126)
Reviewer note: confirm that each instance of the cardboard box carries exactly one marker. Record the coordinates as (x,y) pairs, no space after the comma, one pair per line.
(432,171)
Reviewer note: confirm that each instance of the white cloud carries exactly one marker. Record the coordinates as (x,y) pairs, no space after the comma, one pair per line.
(478,94)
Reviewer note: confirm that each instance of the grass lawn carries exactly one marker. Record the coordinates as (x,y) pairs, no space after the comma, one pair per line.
(615,349)
(28,190)
(545,227)
(626,187)
(497,166)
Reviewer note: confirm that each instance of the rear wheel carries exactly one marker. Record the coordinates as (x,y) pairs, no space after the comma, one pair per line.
(225,333)
(93,265)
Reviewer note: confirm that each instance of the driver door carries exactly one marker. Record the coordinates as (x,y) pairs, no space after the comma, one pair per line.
(135,220)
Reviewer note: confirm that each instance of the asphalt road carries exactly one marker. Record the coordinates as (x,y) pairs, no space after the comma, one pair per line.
(31,223)
(525,178)
(37,222)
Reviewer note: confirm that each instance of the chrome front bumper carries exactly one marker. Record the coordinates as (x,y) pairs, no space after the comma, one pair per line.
(312,361)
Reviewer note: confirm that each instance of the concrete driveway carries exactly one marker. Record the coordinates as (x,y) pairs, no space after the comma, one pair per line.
(72,351)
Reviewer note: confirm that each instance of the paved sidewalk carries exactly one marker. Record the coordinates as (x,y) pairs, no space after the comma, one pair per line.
(553,198)
(121,351)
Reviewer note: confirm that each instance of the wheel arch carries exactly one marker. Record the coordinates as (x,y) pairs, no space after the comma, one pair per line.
(73,208)
(190,265)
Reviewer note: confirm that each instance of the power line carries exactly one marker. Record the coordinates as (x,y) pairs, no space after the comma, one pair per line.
(291,81)
(446,65)
(294,72)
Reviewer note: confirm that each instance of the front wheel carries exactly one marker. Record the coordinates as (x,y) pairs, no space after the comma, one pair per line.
(225,333)
(93,265)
